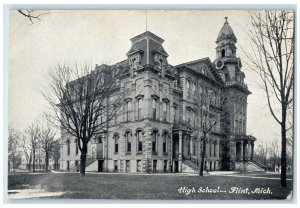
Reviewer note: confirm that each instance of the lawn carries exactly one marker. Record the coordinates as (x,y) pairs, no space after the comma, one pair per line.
(155,186)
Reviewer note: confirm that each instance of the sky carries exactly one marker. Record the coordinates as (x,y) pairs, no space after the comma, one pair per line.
(96,37)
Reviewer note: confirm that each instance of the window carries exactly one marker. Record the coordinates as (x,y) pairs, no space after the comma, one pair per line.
(165,111)
(99,139)
(174,110)
(154,109)
(154,165)
(139,141)
(188,88)
(115,165)
(127,110)
(188,112)
(194,147)
(128,141)
(223,53)
(215,149)
(68,146)
(154,140)
(68,165)
(139,108)
(101,116)
(210,149)
(165,137)
(116,138)
(139,166)
(76,146)
(165,165)
(194,90)
(127,166)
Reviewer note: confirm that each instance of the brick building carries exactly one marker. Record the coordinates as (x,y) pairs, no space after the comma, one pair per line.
(159,128)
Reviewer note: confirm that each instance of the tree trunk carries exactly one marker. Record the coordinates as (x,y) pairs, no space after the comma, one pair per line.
(83,159)
(283,147)
(13,162)
(47,161)
(33,162)
(202,156)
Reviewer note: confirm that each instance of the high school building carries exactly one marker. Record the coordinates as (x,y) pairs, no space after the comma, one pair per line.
(160,127)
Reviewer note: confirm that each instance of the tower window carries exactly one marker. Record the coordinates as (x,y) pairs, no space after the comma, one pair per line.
(223,53)
(154,109)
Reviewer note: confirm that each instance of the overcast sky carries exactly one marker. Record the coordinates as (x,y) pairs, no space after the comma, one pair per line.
(97,37)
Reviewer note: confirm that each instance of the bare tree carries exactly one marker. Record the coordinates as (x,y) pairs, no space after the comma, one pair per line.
(208,122)
(33,141)
(262,154)
(55,154)
(13,144)
(47,142)
(274,155)
(25,145)
(83,102)
(32,15)
(272,41)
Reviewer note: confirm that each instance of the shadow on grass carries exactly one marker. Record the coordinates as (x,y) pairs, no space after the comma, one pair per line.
(122,186)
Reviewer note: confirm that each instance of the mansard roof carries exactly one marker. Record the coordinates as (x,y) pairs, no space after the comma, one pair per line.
(147,34)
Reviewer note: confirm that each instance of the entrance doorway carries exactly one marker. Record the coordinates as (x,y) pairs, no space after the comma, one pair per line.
(100,165)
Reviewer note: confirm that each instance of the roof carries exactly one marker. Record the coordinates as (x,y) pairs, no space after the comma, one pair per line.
(205,67)
(147,34)
(226,32)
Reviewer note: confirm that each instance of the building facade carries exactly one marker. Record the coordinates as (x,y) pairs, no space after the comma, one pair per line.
(160,126)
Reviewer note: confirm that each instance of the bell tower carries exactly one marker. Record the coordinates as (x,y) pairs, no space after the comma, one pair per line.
(226,62)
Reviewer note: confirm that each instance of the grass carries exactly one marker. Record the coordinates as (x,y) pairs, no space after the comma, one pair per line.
(123,186)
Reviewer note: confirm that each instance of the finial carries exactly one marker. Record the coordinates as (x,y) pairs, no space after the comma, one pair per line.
(146,21)
(226,19)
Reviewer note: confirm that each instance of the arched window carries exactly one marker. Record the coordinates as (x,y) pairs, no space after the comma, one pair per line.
(154,103)
(139,108)
(76,146)
(154,140)
(188,87)
(68,147)
(174,110)
(194,147)
(116,138)
(139,135)
(223,52)
(165,111)
(128,141)
(194,90)
(188,83)
(127,110)
(165,141)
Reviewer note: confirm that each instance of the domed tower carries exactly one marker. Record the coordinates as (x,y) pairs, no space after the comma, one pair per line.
(235,98)
(226,62)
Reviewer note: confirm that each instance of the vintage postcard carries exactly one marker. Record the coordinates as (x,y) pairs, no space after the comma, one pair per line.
(151,104)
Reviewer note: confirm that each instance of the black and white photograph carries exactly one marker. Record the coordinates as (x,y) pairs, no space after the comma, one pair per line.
(151,104)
